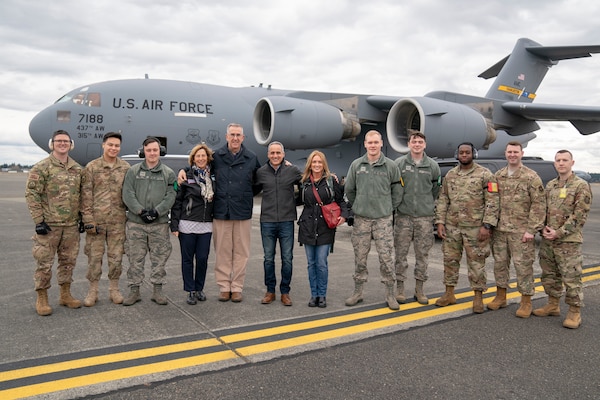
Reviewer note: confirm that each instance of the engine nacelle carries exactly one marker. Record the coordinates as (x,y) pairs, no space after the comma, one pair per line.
(445,124)
(301,124)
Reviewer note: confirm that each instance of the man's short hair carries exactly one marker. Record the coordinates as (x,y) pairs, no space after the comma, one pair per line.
(60,132)
(151,139)
(565,151)
(115,135)
(413,132)
(277,143)
(514,143)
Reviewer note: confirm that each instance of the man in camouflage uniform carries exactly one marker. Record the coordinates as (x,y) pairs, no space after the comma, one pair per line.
(413,219)
(149,194)
(103,215)
(522,214)
(466,212)
(568,199)
(53,196)
(374,190)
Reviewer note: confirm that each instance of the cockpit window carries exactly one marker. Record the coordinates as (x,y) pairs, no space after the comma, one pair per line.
(91,99)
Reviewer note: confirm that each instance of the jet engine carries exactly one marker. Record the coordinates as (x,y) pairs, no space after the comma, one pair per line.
(301,124)
(445,124)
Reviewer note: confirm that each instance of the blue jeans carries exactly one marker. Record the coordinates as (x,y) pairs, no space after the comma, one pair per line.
(196,246)
(270,232)
(316,256)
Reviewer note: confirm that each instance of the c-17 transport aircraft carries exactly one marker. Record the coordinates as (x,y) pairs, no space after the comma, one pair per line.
(183,114)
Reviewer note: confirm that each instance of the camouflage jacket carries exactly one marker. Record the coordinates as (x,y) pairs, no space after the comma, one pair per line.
(145,188)
(468,198)
(522,201)
(421,184)
(568,205)
(373,190)
(101,192)
(53,192)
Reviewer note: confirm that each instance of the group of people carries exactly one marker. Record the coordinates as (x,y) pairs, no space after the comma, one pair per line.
(125,210)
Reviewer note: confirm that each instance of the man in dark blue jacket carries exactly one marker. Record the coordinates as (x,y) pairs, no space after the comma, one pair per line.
(277,215)
(234,168)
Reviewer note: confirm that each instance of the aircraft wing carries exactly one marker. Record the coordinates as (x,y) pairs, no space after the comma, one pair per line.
(586,119)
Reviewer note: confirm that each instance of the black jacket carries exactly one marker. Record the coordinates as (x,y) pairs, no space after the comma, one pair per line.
(278,201)
(312,228)
(189,204)
(234,183)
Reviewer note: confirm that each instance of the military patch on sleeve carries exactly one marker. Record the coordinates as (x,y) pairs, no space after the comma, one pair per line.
(492,187)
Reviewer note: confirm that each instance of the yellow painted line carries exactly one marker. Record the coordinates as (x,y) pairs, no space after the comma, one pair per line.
(130,372)
(114,375)
(106,359)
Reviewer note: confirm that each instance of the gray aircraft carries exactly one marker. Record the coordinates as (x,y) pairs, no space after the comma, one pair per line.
(183,114)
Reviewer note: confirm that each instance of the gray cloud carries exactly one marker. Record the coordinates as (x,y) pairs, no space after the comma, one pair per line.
(383,47)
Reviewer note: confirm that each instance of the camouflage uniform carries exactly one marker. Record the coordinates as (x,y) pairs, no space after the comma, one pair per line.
(414,217)
(468,200)
(568,205)
(374,190)
(148,189)
(102,206)
(53,196)
(522,209)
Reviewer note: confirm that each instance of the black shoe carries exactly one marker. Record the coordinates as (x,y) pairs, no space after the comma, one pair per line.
(322,302)
(191,300)
(313,301)
(201,296)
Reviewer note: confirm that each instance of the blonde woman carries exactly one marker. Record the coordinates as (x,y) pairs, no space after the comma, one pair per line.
(313,232)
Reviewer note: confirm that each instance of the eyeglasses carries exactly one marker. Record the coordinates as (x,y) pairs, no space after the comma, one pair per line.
(62,141)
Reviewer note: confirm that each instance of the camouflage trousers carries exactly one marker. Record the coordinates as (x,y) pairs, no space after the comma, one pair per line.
(456,240)
(62,241)
(142,239)
(562,265)
(113,235)
(507,246)
(381,230)
(419,231)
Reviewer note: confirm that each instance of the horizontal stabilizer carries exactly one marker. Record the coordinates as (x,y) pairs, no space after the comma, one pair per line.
(585,118)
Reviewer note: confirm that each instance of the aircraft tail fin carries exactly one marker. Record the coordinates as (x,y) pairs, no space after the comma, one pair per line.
(520,73)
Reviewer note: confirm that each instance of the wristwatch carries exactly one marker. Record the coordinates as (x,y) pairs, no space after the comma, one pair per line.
(487,226)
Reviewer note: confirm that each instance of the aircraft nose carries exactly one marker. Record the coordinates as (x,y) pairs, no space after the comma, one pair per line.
(39,128)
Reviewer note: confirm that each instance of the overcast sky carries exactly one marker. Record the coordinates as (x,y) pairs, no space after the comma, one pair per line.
(390,47)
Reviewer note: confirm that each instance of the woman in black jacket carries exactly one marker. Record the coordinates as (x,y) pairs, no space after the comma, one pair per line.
(191,221)
(313,232)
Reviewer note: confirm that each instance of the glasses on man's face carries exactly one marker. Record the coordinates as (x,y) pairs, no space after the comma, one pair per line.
(61,141)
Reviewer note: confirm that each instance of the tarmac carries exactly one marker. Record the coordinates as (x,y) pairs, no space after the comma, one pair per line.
(249,350)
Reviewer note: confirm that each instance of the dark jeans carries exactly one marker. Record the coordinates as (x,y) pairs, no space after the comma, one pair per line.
(270,232)
(318,271)
(194,246)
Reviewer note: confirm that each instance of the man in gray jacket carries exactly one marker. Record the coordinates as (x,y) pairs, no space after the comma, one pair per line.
(277,215)
(374,190)
(413,221)
(149,194)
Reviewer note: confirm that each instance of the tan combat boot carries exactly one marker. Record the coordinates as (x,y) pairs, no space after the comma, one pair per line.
(157,296)
(356,296)
(92,296)
(524,310)
(478,302)
(113,292)
(65,297)
(133,297)
(573,319)
(400,297)
(499,301)
(419,294)
(447,299)
(41,305)
(390,299)
(552,308)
